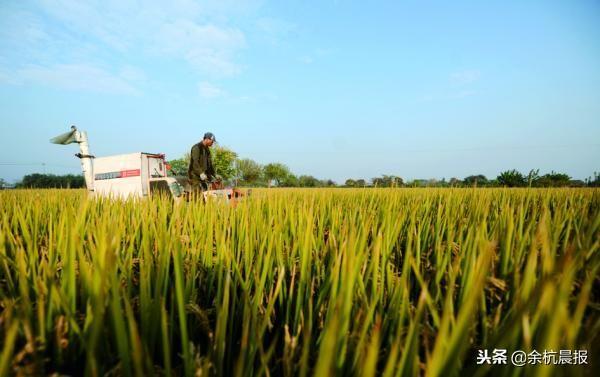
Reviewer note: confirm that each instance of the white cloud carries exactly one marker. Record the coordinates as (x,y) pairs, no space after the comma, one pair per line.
(104,21)
(209,91)
(78,77)
(208,48)
(60,40)
(465,77)
(182,29)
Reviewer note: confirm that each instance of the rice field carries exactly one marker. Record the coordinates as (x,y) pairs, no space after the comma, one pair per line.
(298,282)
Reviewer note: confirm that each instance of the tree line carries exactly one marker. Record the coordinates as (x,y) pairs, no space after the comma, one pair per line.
(38,180)
(247,172)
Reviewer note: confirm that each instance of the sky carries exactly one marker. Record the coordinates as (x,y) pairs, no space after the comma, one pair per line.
(334,89)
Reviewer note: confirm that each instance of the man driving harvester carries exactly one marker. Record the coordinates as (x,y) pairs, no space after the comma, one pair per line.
(201,171)
(203,182)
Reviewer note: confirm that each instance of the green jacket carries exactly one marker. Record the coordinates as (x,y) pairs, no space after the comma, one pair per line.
(200,162)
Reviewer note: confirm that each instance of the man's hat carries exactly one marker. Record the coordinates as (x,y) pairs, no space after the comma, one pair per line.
(211,136)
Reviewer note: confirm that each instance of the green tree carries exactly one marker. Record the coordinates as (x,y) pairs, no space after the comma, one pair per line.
(387,181)
(377,182)
(392,181)
(554,179)
(328,183)
(512,178)
(37,180)
(289,180)
(361,183)
(308,181)
(350,183)
(249,171)
(576,183)
(475,180)
(455,182)
(179,166)
(2,183)
(276,172)
(595,182)
(223,160)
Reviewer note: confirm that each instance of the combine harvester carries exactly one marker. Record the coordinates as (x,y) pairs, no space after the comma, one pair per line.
(137,175)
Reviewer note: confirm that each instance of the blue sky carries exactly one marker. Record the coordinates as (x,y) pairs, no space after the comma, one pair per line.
(335,89)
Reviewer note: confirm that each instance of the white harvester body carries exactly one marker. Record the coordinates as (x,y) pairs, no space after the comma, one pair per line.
(132,175)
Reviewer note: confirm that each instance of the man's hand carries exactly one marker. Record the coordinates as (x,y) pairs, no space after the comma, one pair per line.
(203,177)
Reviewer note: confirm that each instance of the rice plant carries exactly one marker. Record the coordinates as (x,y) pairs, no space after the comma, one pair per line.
(392,282)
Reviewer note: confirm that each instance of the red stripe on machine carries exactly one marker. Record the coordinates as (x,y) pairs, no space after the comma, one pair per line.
(117,174)
(130,173)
